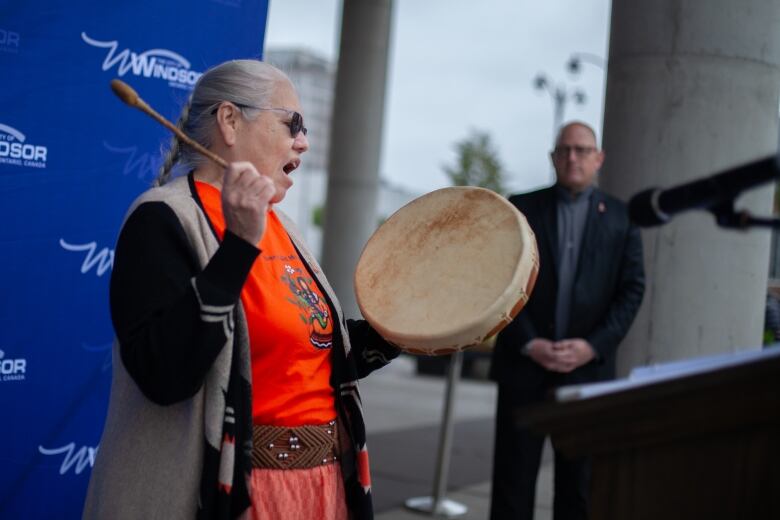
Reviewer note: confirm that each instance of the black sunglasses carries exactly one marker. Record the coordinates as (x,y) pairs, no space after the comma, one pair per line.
(295,124)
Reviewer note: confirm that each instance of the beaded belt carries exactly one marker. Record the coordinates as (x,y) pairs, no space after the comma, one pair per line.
(301,447)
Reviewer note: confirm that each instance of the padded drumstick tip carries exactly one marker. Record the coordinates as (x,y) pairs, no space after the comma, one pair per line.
(124,92)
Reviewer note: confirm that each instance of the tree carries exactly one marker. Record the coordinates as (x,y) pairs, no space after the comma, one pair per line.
(477,163)
(318,216)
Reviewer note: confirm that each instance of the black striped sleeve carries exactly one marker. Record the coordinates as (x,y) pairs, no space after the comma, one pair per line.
(370,350)
(171,318)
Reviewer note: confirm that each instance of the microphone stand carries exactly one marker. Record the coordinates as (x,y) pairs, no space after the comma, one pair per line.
(716,194)
(438,504)
(727,217)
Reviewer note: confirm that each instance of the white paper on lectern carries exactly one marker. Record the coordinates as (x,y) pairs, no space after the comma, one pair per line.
(651,374)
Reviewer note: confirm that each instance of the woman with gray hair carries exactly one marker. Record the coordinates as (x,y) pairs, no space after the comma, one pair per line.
(234,390)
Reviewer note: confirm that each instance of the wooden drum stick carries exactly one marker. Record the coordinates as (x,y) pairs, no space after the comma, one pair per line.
(126,93)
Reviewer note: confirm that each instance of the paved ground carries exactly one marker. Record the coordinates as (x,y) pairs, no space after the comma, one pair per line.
(403,414)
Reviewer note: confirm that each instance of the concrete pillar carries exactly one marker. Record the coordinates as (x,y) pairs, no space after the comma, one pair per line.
(692,89)
(356,135)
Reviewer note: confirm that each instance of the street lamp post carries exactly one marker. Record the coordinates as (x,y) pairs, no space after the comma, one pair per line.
(560,96)
(578,58)
(576,61)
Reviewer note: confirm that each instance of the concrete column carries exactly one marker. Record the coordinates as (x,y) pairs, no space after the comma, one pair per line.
(692,89)
(356,135)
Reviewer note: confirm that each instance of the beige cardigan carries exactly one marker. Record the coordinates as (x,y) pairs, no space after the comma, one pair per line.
(145,444)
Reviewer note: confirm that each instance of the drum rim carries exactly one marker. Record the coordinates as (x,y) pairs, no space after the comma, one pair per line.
(477,329)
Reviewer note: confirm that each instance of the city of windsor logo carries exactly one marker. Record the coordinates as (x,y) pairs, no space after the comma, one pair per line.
(15,150)
(154,63)
(12,369)
(9,41)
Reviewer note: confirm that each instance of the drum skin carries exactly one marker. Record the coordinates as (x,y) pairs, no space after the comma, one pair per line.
(447,271)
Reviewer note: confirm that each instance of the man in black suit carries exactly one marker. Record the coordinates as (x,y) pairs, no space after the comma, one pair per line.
(589,288)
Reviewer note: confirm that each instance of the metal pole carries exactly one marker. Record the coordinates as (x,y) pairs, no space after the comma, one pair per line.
(438,504)
(560,107)
(445,436)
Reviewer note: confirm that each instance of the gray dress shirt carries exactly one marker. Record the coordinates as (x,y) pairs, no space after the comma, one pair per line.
(572,215)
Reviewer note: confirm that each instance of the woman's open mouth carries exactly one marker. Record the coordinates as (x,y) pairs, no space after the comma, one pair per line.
(292,165)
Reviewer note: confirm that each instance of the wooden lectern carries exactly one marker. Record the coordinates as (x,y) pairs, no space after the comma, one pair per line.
(695,446)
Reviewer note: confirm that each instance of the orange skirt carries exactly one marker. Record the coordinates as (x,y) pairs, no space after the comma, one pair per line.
(297,494)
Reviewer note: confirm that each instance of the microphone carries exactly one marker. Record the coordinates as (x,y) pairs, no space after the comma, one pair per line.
(654,206)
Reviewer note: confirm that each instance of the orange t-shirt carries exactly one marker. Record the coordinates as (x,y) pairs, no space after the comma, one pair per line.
(290,328)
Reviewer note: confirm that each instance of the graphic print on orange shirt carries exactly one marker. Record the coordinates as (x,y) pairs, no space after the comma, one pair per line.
(286,313)
(313,311)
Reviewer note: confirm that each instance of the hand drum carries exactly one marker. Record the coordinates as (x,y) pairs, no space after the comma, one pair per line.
(447,271)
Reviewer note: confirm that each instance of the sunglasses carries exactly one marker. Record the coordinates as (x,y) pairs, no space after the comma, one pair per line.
(295,124)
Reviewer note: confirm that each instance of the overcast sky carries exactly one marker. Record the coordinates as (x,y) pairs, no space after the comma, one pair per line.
(457,65)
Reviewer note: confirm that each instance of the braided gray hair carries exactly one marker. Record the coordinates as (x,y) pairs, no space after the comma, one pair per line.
(243,82)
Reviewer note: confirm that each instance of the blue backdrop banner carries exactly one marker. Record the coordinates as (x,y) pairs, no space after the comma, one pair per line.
(72,158)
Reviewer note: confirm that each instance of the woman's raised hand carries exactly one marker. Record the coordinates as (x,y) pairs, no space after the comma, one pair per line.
(246,198)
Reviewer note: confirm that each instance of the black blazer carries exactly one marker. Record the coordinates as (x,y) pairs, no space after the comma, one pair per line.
(608,288)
